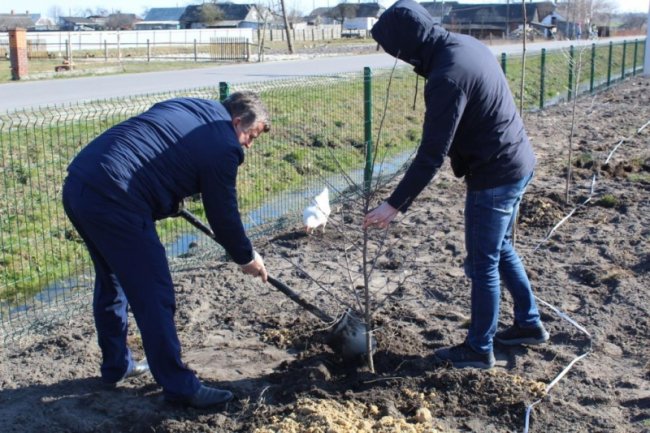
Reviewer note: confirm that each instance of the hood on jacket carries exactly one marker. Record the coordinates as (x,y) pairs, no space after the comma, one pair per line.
(407,31)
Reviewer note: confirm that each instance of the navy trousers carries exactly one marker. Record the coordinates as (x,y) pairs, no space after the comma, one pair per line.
(131,269)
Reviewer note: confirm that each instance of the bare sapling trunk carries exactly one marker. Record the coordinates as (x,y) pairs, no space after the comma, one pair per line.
(577,67)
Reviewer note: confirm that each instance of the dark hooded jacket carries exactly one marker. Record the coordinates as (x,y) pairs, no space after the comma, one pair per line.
(177,148)
(470,112)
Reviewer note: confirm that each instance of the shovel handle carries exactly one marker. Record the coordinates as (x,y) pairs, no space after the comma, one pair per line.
(300,301)
(192,219)
(196,222)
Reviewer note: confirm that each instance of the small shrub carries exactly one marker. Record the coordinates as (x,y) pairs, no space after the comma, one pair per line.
(584,160)
(607,201)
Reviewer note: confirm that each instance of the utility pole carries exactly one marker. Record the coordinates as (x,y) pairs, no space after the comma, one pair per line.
(286,27)
(508,19)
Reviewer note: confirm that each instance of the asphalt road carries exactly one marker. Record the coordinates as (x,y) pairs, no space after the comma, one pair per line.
(26,94)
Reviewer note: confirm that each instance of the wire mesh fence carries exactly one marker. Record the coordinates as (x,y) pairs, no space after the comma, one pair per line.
(45,273)
(556,76)
(317,139)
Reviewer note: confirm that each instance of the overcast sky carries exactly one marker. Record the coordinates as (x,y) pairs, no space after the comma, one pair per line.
(138,6)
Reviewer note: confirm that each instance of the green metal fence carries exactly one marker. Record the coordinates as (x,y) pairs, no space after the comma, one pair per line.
(557,76)
(321,127)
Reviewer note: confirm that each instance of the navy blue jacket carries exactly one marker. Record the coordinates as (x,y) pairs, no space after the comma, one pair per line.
(176,149)
(470,112)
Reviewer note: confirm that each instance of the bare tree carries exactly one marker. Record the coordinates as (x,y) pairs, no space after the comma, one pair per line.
(120,21)
(342,11)
(55,12)
(209,13)
(265,15)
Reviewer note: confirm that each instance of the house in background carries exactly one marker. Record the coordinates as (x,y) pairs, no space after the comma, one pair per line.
(438,10)
(498,20)
(319,16)
(365,16)
(356,16)
(42,23)
(161,19)
(230,15)
(73,24)
(13,20)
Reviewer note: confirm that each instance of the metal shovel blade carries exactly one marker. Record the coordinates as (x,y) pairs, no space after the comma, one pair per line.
(348,335)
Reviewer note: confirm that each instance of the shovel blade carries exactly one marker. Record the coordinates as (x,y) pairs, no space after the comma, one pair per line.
(348,337)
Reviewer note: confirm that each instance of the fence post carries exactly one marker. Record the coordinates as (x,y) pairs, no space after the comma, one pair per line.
(636,49)
(593,65)
(105,51)
(609,64)
(18,53)
(119,47)
(367,127)
(196,54)
(148,51)
(646,53)
(542,77)
(571,67)
(224,90)
(623,61)
(503,62)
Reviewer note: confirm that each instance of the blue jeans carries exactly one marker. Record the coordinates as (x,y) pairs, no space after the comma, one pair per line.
(489,218)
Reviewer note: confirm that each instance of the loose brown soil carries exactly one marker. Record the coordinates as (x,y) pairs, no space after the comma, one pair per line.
(245,336)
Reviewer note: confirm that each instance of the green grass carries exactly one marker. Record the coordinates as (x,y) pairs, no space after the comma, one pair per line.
(607,201)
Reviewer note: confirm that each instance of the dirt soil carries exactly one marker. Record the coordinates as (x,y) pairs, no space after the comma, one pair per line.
(247,337)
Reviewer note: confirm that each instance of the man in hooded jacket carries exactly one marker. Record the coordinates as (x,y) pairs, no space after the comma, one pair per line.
(471,118)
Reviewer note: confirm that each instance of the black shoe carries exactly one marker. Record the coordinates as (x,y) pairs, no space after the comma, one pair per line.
(206,396)
(515,335)
(464,356)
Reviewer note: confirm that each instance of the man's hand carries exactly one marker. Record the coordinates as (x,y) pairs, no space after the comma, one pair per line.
(256,267)
(380,216)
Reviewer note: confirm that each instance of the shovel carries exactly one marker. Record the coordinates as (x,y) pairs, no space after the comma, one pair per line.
(348,335)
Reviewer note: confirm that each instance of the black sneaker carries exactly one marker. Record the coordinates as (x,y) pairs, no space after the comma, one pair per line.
(206,396)
(515,335)
(464,356)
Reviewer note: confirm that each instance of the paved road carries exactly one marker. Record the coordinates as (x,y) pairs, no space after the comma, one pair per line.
(19,95)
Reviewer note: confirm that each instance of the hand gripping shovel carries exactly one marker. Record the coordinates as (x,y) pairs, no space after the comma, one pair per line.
(348,334)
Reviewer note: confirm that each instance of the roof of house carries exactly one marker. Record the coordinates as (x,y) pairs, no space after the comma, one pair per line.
(361,10)
(78,20)
(499,12)
(164,14)
(12,21)
(319,12)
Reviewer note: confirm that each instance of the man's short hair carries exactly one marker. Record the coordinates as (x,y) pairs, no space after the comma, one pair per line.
(249,108)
